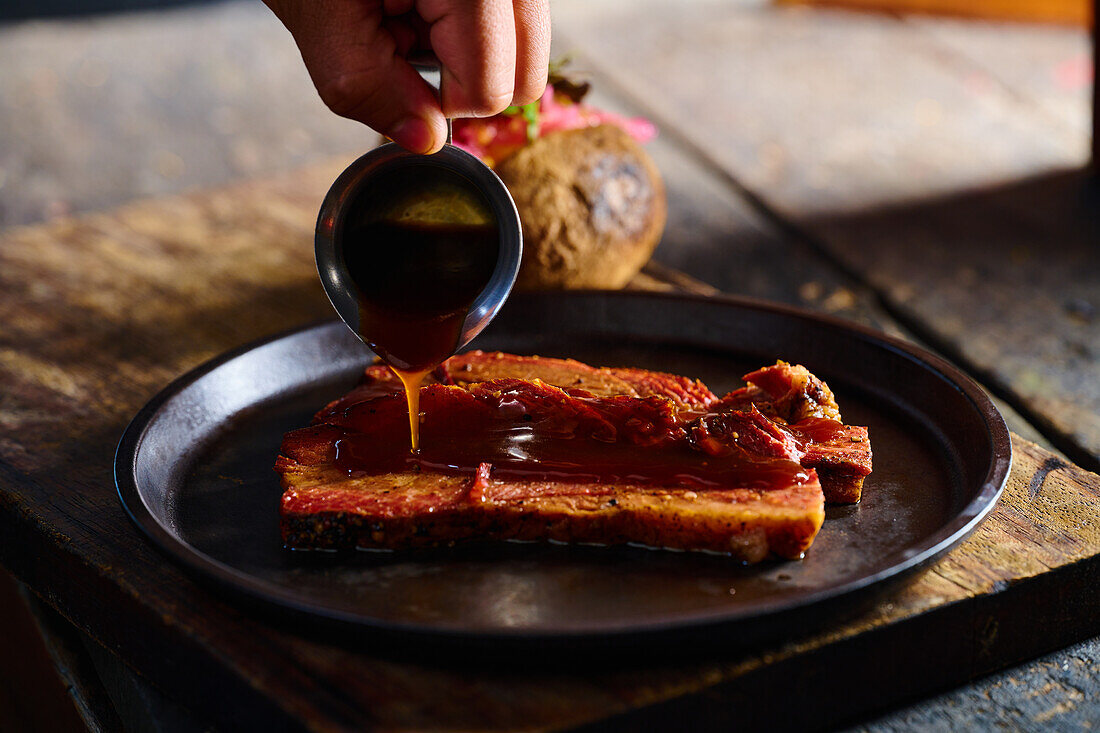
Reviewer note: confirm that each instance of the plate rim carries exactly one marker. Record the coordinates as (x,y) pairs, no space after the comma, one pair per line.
(951,533)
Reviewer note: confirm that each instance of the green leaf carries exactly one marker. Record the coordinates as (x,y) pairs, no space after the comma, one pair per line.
(531,114)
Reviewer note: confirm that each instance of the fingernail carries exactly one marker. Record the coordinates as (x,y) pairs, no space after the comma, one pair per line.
(413,134)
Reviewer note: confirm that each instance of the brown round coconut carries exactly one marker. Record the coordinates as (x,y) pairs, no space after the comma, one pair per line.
(592,206)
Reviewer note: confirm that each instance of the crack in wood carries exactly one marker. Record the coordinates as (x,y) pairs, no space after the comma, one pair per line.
(1036,484)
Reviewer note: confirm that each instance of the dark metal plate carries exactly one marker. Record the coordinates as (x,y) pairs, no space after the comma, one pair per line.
(194,470)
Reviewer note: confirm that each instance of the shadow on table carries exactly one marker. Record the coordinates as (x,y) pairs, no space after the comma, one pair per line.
(1003,280)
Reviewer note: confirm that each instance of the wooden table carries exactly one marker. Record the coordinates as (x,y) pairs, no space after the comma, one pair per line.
(980,245)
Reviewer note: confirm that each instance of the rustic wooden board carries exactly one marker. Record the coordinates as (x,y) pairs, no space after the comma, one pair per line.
(100,312)
(859,133)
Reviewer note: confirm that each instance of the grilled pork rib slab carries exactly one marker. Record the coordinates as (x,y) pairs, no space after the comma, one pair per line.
(349,483)
(325,509)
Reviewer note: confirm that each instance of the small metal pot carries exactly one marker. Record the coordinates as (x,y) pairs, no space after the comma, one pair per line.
(391,159)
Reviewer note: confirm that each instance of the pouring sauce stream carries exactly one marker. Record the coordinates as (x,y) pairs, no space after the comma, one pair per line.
(418,263)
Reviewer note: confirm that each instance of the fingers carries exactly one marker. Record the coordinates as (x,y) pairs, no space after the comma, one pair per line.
(392,99)
(403,33)
(475,41)
(532,18)
(360,72)
(494,53)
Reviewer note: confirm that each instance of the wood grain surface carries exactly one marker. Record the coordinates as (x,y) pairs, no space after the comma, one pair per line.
(102,311)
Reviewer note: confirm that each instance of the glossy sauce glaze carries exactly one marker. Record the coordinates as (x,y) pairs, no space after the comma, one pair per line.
(531,431)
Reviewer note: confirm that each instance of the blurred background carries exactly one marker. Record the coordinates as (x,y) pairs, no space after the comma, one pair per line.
(831,118)
(102,101)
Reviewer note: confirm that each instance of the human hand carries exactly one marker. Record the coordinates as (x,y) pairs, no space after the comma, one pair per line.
(494,53)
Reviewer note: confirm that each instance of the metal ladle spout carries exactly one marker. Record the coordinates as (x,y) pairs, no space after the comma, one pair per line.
(391,159)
